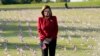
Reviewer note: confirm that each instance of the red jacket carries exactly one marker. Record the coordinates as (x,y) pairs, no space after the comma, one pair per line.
(47,28)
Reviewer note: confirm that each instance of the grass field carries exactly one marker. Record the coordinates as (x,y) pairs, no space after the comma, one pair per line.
(58,4)
(78,32)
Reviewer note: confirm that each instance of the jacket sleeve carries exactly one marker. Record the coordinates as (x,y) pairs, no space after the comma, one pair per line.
(56,27)
(40,31)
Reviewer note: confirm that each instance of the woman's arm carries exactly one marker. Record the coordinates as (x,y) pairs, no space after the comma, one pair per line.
(40,31)
(56,27)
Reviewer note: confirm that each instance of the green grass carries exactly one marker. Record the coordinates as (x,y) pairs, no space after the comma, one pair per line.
(93,0)
(76,23)
(35,5)
(58,4)
(84,4)
(34,43)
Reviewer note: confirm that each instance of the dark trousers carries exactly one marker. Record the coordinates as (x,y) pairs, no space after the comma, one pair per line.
(50,48)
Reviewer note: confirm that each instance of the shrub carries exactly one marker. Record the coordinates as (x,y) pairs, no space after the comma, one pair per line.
(16,1)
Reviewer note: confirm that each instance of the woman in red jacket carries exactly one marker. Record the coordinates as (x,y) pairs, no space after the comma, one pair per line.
(47,31)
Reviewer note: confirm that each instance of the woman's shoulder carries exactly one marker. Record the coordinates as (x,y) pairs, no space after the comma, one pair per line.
(40,18)
(54,16)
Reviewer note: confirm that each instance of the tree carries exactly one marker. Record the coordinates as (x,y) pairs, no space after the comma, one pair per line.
(9,1)
(16,1)
(38,0)
(26,1)
(0,2)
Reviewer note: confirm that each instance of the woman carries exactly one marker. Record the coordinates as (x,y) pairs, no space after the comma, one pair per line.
(47,31)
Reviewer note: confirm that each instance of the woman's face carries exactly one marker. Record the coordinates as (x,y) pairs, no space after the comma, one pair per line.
(47,12)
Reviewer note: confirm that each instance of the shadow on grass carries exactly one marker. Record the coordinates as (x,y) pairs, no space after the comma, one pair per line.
(20,45)
(15,34)
(71,47)
(11,29)
(37,46)
(78,28)
(75,29)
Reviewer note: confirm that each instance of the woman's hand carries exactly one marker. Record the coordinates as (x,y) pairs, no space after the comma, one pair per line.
(47,40)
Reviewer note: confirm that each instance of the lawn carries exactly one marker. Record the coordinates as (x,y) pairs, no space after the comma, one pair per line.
(34,5)
(57,4)
(78,32)
(84,4)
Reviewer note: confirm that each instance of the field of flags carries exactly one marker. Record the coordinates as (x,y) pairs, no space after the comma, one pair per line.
(79,32)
